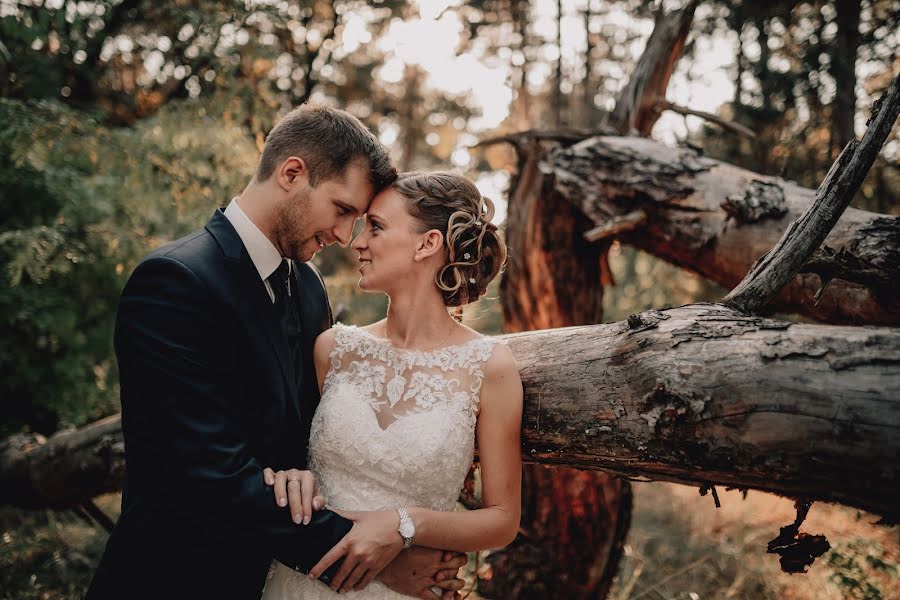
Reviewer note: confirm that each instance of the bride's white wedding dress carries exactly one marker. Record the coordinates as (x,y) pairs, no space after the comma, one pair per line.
(394,428)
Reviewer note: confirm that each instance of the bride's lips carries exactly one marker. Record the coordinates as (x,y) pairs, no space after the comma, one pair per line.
(363,262)
(319,241)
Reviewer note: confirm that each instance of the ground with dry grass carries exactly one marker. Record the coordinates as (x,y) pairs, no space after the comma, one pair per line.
(680,547)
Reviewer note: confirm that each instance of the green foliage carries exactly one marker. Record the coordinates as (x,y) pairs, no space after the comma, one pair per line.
(81,204)
(860,570)
(791,71)
(131,57)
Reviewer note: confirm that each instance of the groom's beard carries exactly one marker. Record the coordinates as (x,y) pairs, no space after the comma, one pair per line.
(291,228)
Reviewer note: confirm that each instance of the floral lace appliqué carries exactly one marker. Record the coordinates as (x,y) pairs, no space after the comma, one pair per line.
(393,428)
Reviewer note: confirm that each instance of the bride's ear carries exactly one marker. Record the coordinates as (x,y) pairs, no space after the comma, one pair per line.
(429,243)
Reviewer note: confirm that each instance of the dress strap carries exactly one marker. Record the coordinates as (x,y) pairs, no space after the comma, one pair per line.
(480,351)
(344,336)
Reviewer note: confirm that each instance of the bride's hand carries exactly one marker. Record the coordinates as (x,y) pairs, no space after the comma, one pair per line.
(297,488)
(370,545)
(425,573)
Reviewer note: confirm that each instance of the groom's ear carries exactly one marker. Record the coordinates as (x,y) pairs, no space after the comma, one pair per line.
(430,243)
(292,174)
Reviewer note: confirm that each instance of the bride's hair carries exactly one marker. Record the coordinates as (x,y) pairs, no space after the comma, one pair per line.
(451,204)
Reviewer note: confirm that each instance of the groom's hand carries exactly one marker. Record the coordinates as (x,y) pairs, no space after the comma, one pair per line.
(425,573)
(371,544)
(297,489)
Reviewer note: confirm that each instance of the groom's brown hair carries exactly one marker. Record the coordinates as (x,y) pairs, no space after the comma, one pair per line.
(328,140)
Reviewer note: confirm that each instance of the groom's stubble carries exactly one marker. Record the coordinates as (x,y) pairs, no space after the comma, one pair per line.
(291,224)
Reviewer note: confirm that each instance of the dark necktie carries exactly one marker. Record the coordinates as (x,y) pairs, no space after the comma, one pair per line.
(286,307)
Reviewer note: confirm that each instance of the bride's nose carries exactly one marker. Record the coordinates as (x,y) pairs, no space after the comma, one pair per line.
(360,241)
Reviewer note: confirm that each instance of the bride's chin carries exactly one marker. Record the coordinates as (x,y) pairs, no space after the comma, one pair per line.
(365,285)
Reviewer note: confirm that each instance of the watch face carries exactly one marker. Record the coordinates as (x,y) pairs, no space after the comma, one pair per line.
(407,529)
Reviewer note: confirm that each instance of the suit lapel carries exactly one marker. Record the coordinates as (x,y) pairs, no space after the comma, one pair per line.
(258,311)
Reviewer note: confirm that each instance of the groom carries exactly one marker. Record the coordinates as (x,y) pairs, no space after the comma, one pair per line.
(214,338)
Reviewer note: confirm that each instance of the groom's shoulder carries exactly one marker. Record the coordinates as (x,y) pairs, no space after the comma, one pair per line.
(193,249)
(193,258)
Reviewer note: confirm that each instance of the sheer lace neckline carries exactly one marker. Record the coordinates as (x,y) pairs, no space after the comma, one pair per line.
(386,343)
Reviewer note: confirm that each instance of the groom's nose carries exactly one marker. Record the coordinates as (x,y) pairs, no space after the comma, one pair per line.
(344,232)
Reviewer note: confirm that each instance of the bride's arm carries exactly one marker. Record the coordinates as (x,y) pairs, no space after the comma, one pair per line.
(499,450)
(322,354)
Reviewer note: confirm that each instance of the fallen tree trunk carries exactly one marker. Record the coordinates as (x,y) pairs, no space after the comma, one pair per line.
(700,394)
(65,470)
(717,220)
(697,394)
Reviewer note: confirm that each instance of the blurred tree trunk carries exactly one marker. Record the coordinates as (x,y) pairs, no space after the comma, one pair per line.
(557,107)
(843,69)
(520,18)
(573,522)
(587,84)
(411,113)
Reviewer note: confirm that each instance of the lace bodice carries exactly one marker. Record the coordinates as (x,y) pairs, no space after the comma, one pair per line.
(394,428)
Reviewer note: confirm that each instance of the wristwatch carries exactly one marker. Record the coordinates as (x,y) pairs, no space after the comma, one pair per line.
(407,528)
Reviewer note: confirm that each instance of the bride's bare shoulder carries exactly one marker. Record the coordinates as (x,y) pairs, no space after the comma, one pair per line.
(501,390)
(376,328)
(327,337)
(324,345)
(501,364)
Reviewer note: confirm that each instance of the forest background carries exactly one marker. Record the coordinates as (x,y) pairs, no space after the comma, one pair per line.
(123,124)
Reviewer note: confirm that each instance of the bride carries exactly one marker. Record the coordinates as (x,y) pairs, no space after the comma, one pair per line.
(405,399)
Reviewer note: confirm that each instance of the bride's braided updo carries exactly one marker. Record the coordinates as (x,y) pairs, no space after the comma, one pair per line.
(451,204)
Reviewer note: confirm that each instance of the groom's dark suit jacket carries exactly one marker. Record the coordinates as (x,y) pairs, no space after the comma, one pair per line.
(209,398)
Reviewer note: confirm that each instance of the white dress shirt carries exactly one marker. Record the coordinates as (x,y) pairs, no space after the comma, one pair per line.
(262,251)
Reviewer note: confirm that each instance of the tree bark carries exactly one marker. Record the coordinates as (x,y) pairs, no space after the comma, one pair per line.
(804,236)
(702,393)
(717,220)
(637,107)
(574,522)
(698,394)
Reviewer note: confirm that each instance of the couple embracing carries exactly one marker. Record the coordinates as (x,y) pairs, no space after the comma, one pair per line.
(271,452)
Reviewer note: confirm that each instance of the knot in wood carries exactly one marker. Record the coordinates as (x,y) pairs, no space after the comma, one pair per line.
(645,320)
(665,408)
(761,200)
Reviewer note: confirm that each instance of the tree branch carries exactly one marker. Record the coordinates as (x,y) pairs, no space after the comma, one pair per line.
(564,136)
(775,269)
(724,123)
